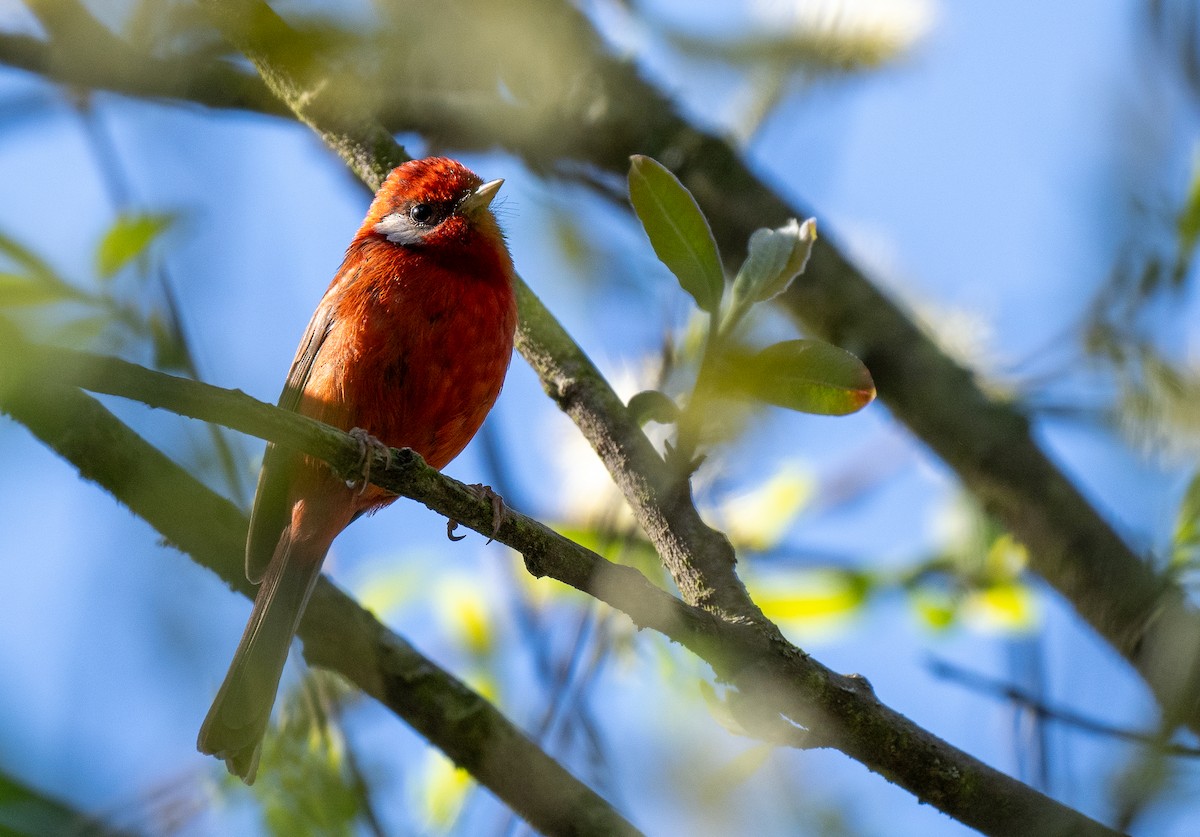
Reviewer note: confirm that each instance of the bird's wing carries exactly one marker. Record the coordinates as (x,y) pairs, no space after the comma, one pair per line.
(272,514)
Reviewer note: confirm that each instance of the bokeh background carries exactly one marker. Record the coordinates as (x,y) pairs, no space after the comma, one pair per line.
(1019,175)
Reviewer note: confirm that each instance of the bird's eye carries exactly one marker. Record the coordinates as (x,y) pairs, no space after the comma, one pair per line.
(422,213)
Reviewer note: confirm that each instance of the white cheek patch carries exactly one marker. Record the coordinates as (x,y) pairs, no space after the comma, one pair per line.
(398,228)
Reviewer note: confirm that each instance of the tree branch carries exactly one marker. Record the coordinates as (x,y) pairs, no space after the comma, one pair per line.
(337,633)
(1144,615)
(774,680)
(83,54)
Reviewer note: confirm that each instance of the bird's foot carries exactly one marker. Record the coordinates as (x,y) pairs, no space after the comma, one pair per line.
(483,492)
(486,492)
(368,445)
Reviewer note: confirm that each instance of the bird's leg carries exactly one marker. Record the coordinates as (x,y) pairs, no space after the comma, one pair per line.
(367,446)
(483,492)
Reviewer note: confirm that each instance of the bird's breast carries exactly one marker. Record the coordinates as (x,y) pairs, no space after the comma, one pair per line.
(421,356)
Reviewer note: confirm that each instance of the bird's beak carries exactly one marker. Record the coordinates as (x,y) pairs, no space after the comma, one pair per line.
(481,197)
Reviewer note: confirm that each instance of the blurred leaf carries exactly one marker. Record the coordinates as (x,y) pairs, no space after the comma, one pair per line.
(1158,405)
(757,519)
(169,351)
(811,594)
(33,282)
(35,267)
(25,290)
(1187,525)
(821,37)
(741,769)
(1188,224)
(127,239)
(25,812)
(721,709)
(629,549)
(385,587)
(577,249)
(444,792)
(678,230)
(652,405)
(79,332)
(775,258)
(1005,607)
(463,606)
(937,611)
(805,375)
(304,784)
(1006,558)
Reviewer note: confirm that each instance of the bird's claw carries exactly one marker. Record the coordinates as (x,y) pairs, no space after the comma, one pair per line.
(367,446)
(486,492)
(483,492)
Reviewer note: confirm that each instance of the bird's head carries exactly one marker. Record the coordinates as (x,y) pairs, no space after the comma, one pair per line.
(434,203)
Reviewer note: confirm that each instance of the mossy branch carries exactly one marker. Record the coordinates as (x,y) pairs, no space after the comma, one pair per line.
(781,693)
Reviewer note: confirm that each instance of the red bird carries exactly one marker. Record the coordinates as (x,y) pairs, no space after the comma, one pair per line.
(410,344)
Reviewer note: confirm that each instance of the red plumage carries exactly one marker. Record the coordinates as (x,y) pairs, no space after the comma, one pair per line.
(410,343)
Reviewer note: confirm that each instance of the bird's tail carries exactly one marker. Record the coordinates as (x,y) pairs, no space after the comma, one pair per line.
(237,721)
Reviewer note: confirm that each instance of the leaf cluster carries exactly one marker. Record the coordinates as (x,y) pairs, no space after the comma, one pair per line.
(805,375)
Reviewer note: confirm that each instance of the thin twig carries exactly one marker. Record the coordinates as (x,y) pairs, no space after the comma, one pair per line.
(1003,690)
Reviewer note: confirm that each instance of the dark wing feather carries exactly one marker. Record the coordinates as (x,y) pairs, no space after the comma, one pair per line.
(272,514)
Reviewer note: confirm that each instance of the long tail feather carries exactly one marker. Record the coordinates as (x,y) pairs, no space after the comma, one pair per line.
(237,721)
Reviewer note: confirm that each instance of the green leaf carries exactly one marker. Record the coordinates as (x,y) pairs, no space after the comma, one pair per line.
(758,518)
(27,812)
(1187,525)
(678,230)
(81,332)
(775,258)
(1188,224)
(814,594)
(444,792)
(127,239)
(629,550)
(169,350)
(652,405)
(35,267)
(721,710)
(937,610)
(306,784)
(34,282)
(1007,607)
(25,290)
(805,375)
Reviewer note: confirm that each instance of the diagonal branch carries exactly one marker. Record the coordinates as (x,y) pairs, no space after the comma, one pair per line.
(1143,614)
(337,633)
(83,53)
(773,679)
